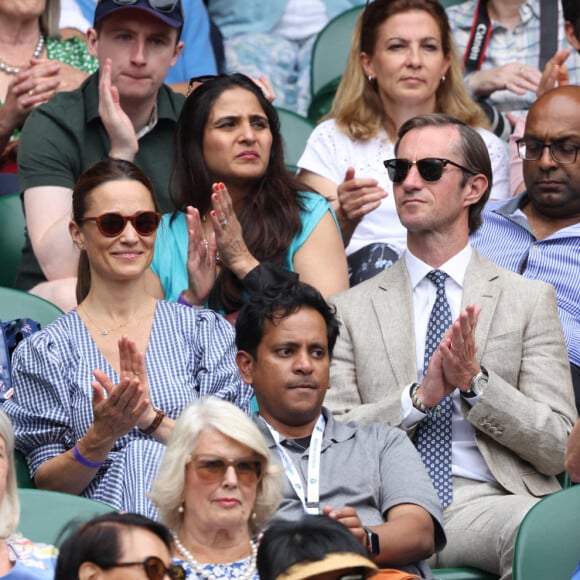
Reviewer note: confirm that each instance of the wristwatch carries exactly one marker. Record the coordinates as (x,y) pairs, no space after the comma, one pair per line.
(477,384)
(373,546)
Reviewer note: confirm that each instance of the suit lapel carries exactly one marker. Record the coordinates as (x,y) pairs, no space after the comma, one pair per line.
(482,286)
(392,303)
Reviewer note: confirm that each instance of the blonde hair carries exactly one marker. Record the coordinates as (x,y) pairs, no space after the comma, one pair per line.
(10,504)
(357,108)
(199,417)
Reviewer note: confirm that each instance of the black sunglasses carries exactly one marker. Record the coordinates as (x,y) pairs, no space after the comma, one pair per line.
(430,168)
(194,82)
(155,569)
(165,6)
(112,224)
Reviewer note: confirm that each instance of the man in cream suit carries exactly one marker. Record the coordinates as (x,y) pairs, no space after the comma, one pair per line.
(499,373)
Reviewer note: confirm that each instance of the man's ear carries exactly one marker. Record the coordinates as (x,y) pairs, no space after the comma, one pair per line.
(178,48)
(92,41)
(477,185)
(245,362)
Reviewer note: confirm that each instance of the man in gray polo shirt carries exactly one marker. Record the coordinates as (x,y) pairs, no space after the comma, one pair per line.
(369,478)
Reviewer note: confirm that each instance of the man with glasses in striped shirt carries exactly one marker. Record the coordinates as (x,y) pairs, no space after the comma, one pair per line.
(537,233)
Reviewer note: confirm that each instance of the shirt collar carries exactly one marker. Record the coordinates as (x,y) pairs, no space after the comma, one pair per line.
(335,431)
(150,124)
(455,268)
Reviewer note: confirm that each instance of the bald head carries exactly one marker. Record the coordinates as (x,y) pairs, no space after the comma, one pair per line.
(553,180)
(550,100)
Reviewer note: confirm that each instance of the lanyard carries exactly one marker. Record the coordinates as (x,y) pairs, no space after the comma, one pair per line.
(311,501)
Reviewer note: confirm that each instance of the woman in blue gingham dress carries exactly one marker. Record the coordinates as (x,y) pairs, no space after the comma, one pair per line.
(100,433)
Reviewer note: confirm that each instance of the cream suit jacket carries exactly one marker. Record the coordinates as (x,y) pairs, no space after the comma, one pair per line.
(523,418)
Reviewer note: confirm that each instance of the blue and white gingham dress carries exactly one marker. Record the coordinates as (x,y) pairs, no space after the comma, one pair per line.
(190,355)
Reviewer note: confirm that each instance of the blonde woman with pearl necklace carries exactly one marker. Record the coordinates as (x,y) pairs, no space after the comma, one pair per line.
(216,489)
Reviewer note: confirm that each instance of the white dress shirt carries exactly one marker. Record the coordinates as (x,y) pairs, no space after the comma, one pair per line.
(467,460)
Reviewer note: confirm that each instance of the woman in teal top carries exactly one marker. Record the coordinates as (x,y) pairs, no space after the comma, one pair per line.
(237,205)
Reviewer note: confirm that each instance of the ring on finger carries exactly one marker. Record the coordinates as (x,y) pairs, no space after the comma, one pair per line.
(31,93)
(455,348)
(224,223)
(136,373)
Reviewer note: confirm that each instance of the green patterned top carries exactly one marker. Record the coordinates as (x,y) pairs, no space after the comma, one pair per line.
(71,51)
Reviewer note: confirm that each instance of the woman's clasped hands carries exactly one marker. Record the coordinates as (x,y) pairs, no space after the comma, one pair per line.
(119,408)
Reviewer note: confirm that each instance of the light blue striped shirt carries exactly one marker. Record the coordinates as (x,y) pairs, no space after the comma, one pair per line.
(190,354)
(507,239)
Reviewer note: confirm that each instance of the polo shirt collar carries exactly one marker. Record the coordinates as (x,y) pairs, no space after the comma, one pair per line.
(335,431)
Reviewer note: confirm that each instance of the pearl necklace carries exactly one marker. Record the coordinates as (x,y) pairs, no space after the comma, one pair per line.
(198,568)
(14,70)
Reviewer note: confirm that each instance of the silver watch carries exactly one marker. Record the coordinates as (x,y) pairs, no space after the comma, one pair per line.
(477,384)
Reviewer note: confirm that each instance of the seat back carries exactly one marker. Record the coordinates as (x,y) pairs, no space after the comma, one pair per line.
(12,225)
(19,304)
(462,574)
(548,539)
(330,50)
(45,514)
(295,132)
(23,479)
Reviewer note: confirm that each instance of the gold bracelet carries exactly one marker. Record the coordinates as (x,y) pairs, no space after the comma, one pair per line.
(155,424)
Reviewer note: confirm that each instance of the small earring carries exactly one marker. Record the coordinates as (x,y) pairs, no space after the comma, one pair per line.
(80,247)
(180,509)
(371,78)
(443,79)
(254,515)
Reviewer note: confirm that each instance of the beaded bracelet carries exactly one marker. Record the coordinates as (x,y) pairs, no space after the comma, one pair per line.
(83,460)
(156,422)
(418,404)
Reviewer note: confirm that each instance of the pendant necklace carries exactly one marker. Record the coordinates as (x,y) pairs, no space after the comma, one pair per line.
(14,70)
(101,330)
(198,568)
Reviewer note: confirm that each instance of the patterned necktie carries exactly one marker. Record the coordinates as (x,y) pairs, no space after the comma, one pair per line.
(433,438)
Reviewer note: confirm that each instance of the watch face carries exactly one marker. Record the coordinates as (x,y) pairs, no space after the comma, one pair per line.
(478,383)
(373,543)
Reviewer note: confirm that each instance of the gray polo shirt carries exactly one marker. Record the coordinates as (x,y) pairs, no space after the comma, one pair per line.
(371,468)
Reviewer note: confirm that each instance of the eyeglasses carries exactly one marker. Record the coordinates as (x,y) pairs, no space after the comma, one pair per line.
(155,569)
(112,224)
(430,168)
(533,149)
(165,6)
(212,469)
